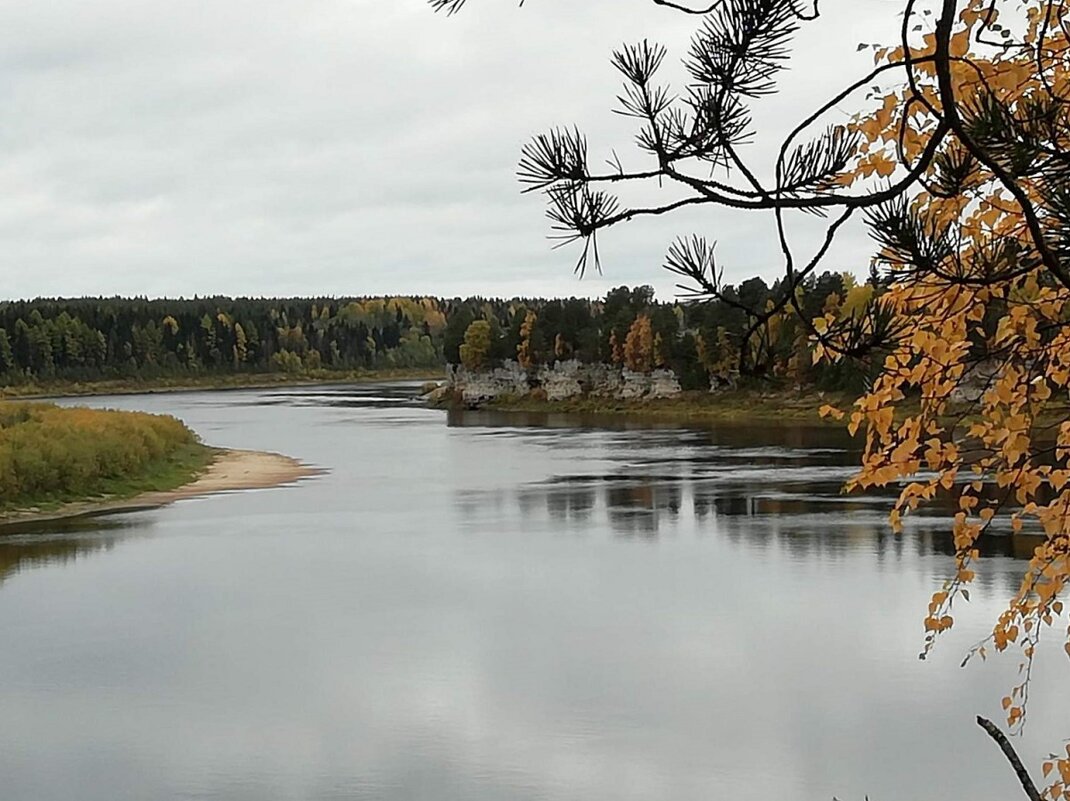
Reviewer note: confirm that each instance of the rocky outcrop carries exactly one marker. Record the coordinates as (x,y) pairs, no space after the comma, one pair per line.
(561,381)
(975,382)
(564,380)
(477,387)
(663,384)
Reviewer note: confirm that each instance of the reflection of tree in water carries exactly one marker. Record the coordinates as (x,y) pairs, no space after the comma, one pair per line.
(571,501)
(779,505)
(703,504)
(529,500)
(832,531)
(637,506)
(21,549)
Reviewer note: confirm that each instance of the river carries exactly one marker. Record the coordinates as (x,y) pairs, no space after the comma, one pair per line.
(478,606)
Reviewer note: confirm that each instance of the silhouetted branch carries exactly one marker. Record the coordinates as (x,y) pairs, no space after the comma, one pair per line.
(1012,756)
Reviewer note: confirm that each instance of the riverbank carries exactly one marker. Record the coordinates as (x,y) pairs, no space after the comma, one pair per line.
(221,471)
(131,386)
(688,407)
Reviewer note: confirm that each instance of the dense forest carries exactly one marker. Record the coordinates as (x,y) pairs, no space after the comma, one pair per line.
(114,338)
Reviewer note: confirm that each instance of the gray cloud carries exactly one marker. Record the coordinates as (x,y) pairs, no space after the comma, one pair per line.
(341,146)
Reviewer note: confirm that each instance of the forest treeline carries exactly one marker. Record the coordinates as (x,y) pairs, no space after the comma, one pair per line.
(115,338)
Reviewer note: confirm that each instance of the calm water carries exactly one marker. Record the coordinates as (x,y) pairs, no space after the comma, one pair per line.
(496,608)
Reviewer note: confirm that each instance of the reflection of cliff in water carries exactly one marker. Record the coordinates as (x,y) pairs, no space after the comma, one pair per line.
(769,486)
(35,545)
(808,520)
(574,502)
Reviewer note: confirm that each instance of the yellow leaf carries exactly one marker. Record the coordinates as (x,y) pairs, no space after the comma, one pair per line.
(831,411)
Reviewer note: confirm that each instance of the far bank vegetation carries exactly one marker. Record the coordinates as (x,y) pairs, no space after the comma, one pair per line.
(715,341)
(44,343)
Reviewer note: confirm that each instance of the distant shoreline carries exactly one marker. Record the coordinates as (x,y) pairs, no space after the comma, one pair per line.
(229,471)
(236,381)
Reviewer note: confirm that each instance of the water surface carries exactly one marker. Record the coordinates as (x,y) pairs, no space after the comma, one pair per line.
(485,607)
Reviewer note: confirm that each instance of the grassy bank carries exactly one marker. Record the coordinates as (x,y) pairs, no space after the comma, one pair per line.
(692,407)
(188,383)
(51,455)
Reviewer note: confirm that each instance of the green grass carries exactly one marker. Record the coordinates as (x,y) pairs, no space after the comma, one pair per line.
(739,406)
(693,407)
(176,470)
(212,381)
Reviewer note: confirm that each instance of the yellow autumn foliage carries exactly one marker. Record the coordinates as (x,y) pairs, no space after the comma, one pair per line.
(984,352)
(476,347)
(639,346)
(49,451)
(525,354)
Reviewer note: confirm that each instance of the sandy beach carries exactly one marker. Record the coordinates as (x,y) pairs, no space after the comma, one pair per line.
(230,471)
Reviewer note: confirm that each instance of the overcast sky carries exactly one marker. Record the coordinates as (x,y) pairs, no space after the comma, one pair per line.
(343,147)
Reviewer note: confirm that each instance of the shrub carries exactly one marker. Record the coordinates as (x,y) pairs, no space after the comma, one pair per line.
(48,451)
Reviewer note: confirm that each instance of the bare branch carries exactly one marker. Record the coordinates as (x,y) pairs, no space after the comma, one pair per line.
(1012,756)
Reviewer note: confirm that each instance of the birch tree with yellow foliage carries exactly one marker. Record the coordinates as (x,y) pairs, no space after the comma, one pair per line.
(959,162)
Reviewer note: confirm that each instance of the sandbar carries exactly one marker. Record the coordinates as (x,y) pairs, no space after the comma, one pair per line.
(231,470)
